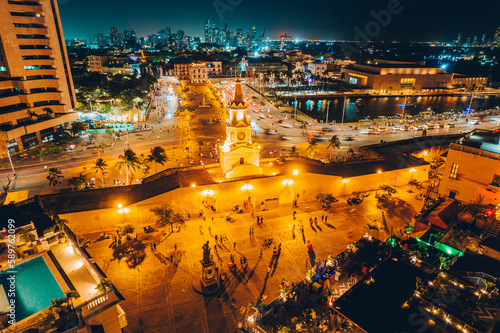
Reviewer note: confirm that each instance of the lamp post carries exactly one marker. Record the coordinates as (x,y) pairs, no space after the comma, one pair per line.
(11,164)
(327,109)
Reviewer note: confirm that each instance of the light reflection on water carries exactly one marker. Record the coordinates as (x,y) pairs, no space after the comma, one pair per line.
(359,108)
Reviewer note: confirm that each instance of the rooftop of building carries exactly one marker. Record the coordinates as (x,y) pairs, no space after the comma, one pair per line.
(486,140)
(479,263)
(491,242)
(375,303)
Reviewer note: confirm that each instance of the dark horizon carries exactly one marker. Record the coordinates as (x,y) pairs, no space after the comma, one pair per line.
(424,20)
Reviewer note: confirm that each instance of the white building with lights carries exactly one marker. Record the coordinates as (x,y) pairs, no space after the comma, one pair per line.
(239,156)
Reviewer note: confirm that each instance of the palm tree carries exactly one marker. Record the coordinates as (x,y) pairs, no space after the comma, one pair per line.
(78,182)
(100,165)
(370,227)
(312,147)
(158,155)
(293,151)
(27,236)
(127,160)
(341,79)
(103,286)
(54,177)
(200,143)
(334,142)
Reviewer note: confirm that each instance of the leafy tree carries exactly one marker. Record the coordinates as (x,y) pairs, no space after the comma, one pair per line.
(27,236)
(124,229)
(128,160)
(77,127)
(78,182)
(312,147)
(158,156)
(50,149)
(45,320)
(325,200)
(54,177)
(102,166)
(167,215)
(132,251)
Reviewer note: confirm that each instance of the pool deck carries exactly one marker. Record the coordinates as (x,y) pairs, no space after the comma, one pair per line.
(79,275)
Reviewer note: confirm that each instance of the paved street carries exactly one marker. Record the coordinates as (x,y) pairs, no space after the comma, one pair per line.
(159,294)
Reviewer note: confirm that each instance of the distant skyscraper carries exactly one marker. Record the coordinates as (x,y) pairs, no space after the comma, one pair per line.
(129,35)
(113,33)
(483,39)
(458,41)
(474,42)
(496,38)
(210,31)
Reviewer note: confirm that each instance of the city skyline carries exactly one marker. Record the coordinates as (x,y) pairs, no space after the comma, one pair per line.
(335,23)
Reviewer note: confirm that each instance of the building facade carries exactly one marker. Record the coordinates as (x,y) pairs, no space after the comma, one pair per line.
(317,68)
(36,88)
(472,169)
(384,76)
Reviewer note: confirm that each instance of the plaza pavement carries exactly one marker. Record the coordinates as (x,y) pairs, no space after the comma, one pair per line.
(160,297)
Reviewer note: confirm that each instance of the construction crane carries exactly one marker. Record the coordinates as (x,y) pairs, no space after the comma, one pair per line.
(285,37)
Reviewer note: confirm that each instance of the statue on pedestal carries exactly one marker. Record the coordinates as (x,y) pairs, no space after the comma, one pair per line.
(206,253)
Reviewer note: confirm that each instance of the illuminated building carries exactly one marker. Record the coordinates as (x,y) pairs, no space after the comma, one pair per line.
(36,87)
(238,156)
(462,180)
(405,77)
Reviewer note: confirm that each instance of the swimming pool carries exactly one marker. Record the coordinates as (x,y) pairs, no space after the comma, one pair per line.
(35,287)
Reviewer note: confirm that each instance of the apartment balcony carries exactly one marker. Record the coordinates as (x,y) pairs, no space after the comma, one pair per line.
(28,52)
(26,19)
(29,30)
(33,41)
(25,8)
(44,122)
(39,62)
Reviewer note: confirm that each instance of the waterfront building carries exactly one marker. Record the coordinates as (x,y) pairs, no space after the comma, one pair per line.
(36,88)
(397,77)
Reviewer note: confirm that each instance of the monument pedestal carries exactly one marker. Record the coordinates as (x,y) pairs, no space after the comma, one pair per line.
(209,275)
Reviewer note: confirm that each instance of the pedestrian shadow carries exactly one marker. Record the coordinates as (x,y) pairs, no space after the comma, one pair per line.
(330,226)
(303,237)
(250,274)
(319,228)
(312,257)
(312,227)
(275,264)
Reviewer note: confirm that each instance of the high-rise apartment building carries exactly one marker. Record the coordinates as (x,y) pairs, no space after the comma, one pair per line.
(36,87)
(496,38)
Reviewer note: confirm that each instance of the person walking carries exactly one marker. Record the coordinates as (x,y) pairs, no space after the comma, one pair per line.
(294,213)
(215,238)
(258,220)
(234,245)
(315,220)
(326,217)
(261,219)
(322,217)
(175,247)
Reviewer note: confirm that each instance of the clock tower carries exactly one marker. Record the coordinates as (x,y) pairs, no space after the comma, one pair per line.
(239,156)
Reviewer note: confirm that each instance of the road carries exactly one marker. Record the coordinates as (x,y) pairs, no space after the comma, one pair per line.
(194,136)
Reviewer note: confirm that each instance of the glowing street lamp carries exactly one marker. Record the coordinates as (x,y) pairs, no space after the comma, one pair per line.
(295,172)
(247,187)
(287,182)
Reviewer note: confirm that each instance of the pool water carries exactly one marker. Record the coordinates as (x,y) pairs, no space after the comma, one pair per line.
(35,287)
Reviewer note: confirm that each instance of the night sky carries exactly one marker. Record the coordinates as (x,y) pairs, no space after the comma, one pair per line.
(419,20)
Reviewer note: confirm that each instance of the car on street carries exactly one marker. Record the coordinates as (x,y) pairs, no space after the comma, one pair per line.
(450,125)
(431,126)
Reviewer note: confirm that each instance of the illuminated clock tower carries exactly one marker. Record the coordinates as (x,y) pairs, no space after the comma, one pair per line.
(239,156)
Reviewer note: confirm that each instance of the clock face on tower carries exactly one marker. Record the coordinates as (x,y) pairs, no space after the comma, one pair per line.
(241,136)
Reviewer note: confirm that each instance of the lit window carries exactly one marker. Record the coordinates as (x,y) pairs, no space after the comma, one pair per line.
(454,171)
(239,115)
(3,69)
(30,68)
